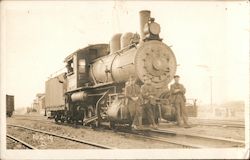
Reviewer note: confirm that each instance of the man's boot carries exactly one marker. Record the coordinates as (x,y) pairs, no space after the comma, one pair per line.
(139,122)
(186,125)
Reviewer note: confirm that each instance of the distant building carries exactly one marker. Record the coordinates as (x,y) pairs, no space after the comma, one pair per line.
(39,102)
(228,110)
(233,109)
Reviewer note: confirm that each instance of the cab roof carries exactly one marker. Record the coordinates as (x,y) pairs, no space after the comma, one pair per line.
(85,50)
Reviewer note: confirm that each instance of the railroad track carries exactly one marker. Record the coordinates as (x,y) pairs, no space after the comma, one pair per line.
(216,124)
(63,137)
(46,121)
(186,140)
(181,139)
(32,119)
(26,145)
(223,125)
(222,120)
(144,135)
(197,140)
(220,123)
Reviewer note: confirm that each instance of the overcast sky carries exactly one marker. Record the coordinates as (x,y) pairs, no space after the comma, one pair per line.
(209,39)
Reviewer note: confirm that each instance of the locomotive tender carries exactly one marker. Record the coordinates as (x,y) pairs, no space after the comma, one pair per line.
(96,76)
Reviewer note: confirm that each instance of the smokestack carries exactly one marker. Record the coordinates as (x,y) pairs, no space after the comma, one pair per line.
(144,17)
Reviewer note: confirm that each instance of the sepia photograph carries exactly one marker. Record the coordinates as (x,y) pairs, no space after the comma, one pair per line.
(122,79)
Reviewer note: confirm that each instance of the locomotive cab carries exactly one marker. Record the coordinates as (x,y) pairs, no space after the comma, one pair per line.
(78,65)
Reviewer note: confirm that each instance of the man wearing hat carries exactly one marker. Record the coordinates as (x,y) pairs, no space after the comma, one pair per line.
(132,94)
(177,92)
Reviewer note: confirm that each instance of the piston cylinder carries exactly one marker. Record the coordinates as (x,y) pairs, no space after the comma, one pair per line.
(79,96)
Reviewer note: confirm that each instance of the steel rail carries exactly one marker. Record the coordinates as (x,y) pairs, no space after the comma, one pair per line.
(141,134)
(20,141)
(222,125)
(165,140)
(220,120)
(64,137)
(227,123)
(229,140)
(146,135)
(55,123)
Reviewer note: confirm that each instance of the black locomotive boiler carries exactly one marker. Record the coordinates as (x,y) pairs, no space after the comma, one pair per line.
(92,90)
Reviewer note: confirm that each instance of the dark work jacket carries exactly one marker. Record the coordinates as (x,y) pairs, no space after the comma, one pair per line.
(132,91)
(147,91)
(178,97)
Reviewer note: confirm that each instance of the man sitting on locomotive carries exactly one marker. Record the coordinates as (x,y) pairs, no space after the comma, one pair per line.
(148,92)
(133,101)
(178,100)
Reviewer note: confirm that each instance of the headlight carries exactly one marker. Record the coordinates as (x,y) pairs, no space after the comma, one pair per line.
(154,28)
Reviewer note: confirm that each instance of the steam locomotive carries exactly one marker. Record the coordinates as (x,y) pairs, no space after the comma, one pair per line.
(92,90)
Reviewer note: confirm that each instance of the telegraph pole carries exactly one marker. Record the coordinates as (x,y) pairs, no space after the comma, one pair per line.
(211,91)
(208,69)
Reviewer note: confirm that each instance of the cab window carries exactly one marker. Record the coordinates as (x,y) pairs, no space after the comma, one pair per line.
(69,66)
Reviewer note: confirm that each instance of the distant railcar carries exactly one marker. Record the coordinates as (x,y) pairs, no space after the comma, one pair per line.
(10,105)
(191,108)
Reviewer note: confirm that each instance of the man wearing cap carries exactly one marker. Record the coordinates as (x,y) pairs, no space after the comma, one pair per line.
(148,92)
(132,94)
(177,92)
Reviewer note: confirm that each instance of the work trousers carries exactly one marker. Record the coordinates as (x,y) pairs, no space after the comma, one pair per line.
(181,112)
(135,111)
(150,112)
